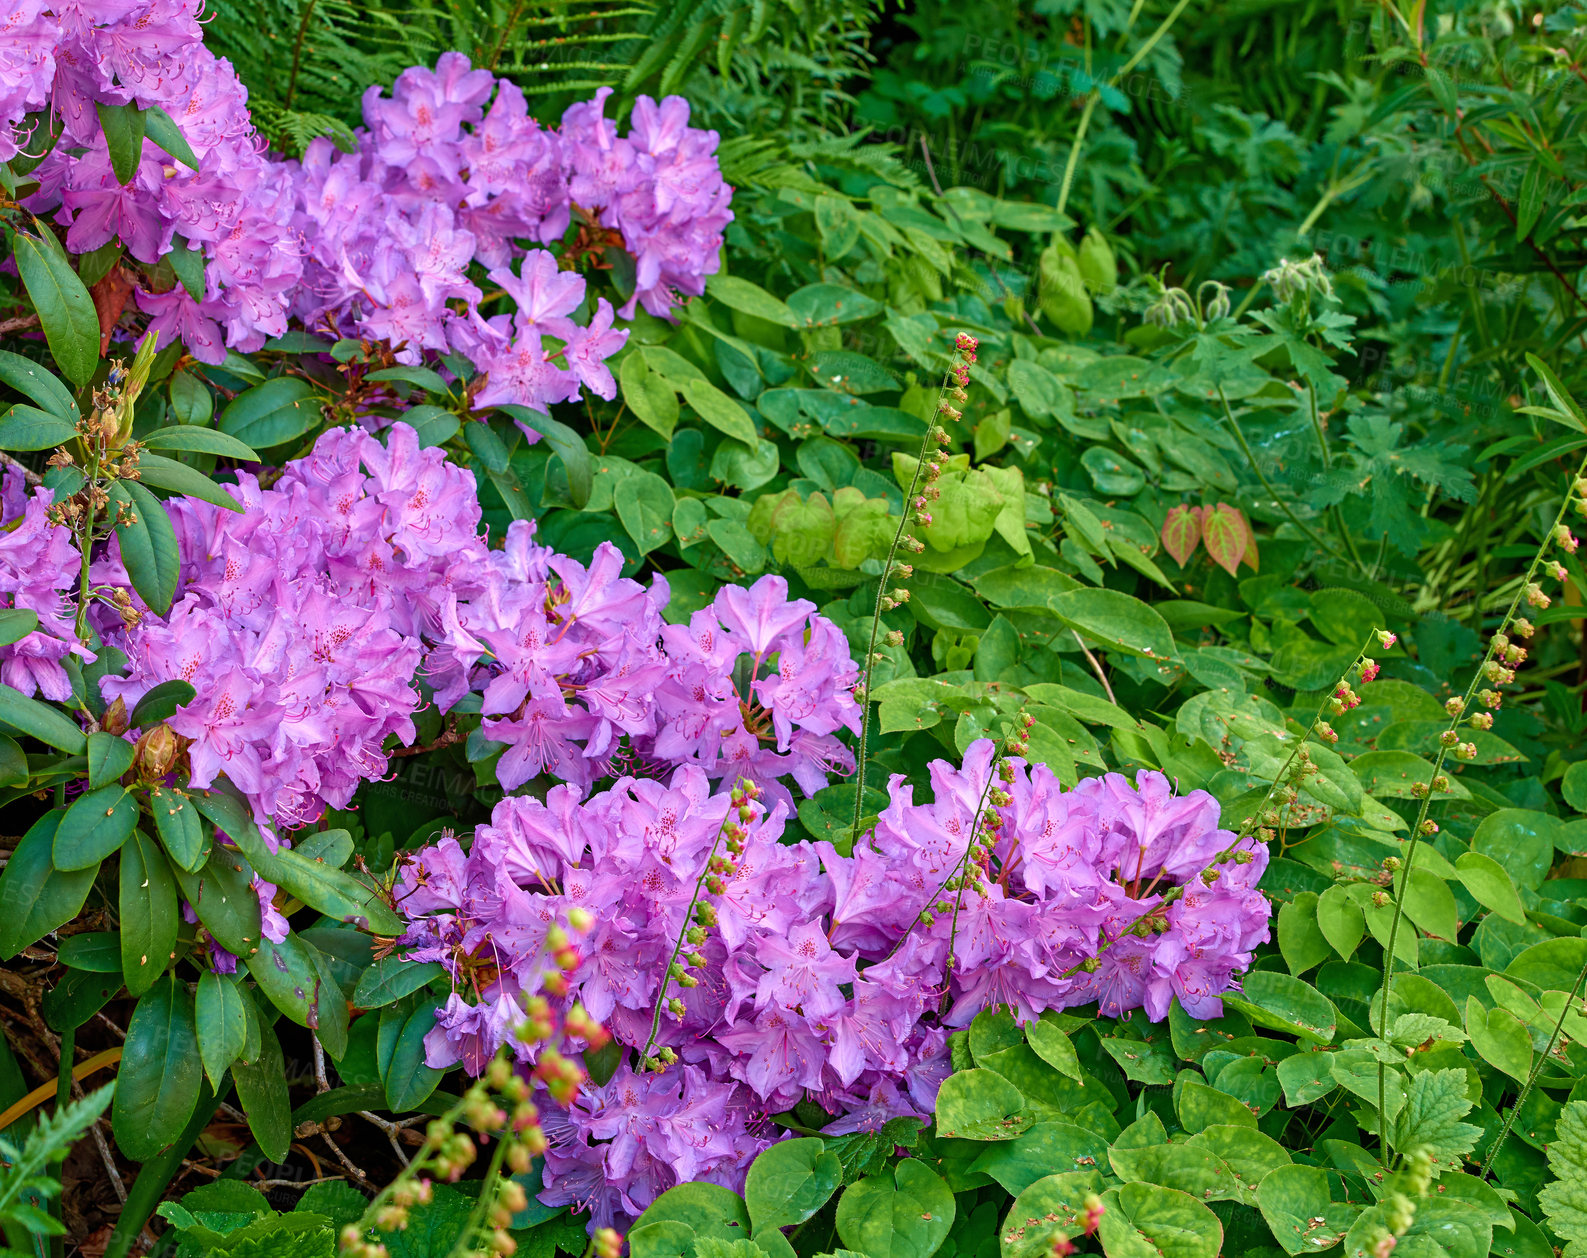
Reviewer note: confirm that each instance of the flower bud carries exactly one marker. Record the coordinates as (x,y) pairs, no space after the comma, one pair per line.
(156,752)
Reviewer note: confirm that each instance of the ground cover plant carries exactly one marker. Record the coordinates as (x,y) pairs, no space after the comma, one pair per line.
(723,631)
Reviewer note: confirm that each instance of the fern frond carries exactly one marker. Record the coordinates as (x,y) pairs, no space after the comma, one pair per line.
(50,1141)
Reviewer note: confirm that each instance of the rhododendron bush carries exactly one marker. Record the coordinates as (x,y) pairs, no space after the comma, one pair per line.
(586,672)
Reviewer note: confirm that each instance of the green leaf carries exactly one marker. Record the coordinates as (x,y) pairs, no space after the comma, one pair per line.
(272,413)
(1564,1201)
(1201,1107)
(1306,1077)
(644,505)
(903,1212)
(148,545)
(1570,414)
(176,821)
(1150,1221)
(179,478)
(1521,840)
(95,825)
(45,723)
(191,401)
(1429,903)
(1300,936)
(1151,1064)
(649,395)
(1053,1047)
(393,977)
(160,127)
(1435,1102)
(1043,1150)
(980,1105)
(1295,1202)
(160,702)
(291,974)
(33,381)
(262,1094)
(1490,885)
(1529,205)
(1440,1229)
(158,1083)
(189,265)
(1394,774)
(198,440)
(149,915)
(818,304)
(1116,621)
(13,763)
(24,427)
(399,1054)
(1554,964)
(1044,1211)
(221,1023)
(97,951)
(15,624)
(108,758)
(719,410)
(789,1182)
(78,997)
(1286,1004)
(332,891)
(65,310)
(1500,1038)
(751,299)
(35,897)
(565,443)
(221,894)
(848,372)
(432,425)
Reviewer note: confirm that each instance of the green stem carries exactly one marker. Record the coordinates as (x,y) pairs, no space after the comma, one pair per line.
(1531,1078)
(85,547)
(1095,94)
(297,53)
(482,1203)
(1455,722)
(1272,493)
(863,752)
(683,934)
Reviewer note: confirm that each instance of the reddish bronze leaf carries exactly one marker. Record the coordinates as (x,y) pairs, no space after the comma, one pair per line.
(1227,536)
(1181,532)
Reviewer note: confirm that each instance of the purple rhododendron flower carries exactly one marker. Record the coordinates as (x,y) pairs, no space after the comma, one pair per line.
(825,976)
(39,569)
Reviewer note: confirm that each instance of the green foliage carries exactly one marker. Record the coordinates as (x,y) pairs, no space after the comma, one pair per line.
(1171,517)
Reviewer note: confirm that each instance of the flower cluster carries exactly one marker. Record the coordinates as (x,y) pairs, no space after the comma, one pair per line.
(440,181)
(236,207)
(308,620)
(660,189)
(39,572)
(298,619)
(800,686)
(745,972)
(380,243)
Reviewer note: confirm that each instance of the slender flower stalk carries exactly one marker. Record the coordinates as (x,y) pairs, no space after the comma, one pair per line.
(1497,669)
(920,494)
(700,917)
